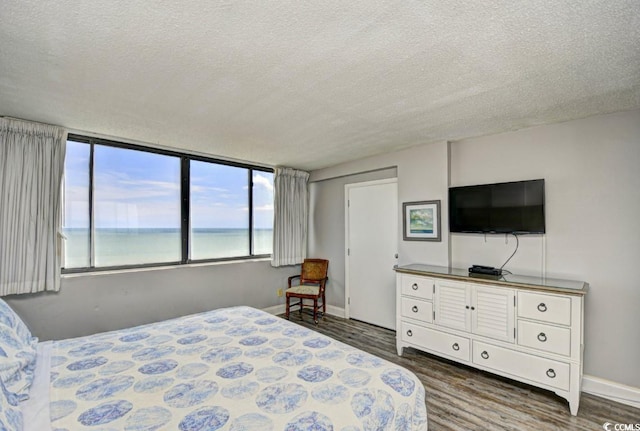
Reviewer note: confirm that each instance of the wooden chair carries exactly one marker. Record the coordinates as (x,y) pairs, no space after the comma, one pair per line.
(313,279)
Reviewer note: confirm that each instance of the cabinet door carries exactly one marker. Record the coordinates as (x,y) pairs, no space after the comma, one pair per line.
(493,312)
(452,303)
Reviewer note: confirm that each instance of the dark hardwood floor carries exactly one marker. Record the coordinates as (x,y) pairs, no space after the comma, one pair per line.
(463,398)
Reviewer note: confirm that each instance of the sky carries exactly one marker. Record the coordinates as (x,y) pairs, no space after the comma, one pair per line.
(137,189)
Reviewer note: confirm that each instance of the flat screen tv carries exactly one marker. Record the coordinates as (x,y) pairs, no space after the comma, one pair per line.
(515,207)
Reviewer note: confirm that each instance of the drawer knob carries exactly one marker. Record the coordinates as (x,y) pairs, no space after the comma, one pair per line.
(551,373)
(414,286)
(542,307)
(484,355)
(409,333)
(455,347)
(542,337)
(414,308)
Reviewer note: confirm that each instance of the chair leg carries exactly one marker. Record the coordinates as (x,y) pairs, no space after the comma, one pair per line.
(286,310)
(324,305)
(315,310)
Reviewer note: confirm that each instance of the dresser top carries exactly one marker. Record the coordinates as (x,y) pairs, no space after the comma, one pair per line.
(521,281)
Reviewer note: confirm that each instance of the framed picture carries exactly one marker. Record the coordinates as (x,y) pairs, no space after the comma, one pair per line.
(421,221)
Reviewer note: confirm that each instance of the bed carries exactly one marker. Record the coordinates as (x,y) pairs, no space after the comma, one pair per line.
(230,369)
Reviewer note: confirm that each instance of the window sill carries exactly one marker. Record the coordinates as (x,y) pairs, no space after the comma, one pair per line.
(163,267)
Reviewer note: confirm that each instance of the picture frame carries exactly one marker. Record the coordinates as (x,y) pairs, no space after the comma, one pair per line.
(421,221)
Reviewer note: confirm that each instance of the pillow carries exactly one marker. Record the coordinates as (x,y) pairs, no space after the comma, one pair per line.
(9,318)
(10,413)
(17,353)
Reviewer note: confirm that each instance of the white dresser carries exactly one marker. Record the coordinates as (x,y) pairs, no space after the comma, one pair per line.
(526,328)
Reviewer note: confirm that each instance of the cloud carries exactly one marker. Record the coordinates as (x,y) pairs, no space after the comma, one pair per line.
(197,188)
(125,198)
(211,216)
(167,185)
(118,186)
(262,180)
(267,207)
(137,215)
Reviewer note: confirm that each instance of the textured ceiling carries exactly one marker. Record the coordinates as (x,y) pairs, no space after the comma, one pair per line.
(313,84)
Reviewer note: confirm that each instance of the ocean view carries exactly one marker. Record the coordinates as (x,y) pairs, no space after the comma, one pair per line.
(114,247)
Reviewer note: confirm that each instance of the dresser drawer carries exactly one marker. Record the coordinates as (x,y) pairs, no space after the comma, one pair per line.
(440,342)
(544,337)
(417,309)
(533,368)
(420,287)
(546,308)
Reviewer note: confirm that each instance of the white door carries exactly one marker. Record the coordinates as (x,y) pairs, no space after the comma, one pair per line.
(372,247)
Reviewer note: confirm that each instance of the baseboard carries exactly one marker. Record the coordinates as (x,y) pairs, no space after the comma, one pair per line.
(331,310)
(335,311)
(275,309)
(611,390)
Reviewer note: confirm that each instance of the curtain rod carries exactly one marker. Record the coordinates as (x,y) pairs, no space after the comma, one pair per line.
(8,117)
(144,144)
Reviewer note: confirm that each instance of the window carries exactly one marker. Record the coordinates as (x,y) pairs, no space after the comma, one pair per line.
(219,217)
(75,218)
(136,207)
(128,206)
(262,212)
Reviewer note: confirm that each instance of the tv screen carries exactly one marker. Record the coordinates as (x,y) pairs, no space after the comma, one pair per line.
(515,207)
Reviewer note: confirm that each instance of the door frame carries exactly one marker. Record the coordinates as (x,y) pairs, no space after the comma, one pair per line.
(347,188)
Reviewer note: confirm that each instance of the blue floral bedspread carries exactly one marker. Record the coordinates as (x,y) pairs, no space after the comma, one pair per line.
(230,369)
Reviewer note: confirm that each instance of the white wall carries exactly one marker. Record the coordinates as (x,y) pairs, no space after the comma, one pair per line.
(326,227)
(422,175)
(591,169)
(98,302)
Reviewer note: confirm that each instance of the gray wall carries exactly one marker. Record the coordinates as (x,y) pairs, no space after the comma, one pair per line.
(592,174)
(422,174)
(591,169)
(326,227)
(97,302)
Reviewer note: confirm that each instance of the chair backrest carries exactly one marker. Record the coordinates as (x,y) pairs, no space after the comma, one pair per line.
(314,270)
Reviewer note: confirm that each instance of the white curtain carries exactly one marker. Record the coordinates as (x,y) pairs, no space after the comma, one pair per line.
(31,167)
(290,216)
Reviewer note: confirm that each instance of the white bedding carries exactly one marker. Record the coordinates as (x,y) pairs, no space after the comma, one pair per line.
(230,369)
(35,410)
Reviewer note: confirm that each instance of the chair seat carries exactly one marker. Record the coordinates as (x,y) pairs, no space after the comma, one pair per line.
(304,289)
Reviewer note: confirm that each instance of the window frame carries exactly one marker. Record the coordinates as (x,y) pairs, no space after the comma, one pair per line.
(185,204)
